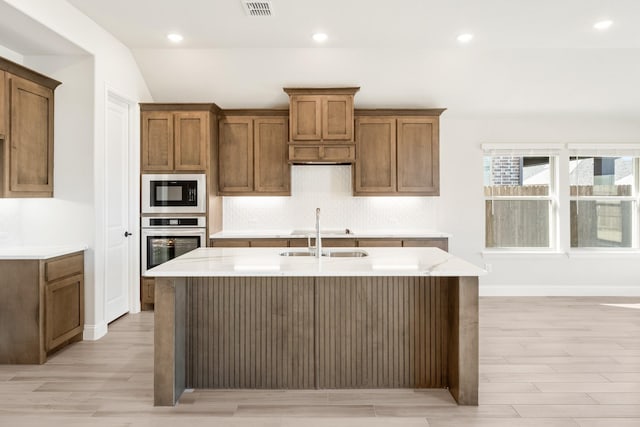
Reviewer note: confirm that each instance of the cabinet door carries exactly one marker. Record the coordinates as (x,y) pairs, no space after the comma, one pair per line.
(157,141)
(337,118)
(31,138)
(272,171)
(418,156)
(306,117)
(64,306)
(3,106)
(147,295)
(191,131)
(375,167)
(236,155)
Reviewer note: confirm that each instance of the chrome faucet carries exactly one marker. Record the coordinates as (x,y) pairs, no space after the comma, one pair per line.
(318,238)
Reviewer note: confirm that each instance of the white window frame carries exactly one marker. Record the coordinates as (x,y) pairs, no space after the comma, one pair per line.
(552,151)
(610,150)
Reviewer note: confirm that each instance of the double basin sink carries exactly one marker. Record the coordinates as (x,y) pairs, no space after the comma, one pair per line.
(355,253)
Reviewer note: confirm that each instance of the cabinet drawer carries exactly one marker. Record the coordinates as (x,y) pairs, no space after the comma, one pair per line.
(269,243)
(337,243)
(63,267)
(322,153)
(379,243)
(230,243)
(441,243)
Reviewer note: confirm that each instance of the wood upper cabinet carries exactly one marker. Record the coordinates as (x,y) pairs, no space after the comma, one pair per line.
(321,114)
(235,148)
(375,168)
(175,140)
(418,155)
(397,154)
(191,139)
(272,172)
(31,137)
(26,129)
(253,156)
(306,117)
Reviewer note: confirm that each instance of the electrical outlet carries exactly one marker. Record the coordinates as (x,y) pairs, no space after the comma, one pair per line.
(488,267)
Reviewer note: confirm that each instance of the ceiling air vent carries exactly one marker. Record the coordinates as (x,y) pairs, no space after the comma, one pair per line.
(257,8)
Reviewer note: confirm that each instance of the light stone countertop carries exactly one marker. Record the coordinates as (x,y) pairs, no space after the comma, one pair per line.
(332,233)
(208,262)
(38,252)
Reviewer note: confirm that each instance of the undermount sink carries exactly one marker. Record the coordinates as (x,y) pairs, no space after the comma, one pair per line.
(346,254)
(297,253)
(331,254)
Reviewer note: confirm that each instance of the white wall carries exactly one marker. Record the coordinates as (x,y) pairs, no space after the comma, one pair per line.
(328,188)
(462,207)
(76,214)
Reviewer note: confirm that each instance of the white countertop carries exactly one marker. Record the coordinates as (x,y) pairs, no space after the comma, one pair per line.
(207,262)
(38,252)
(353,234)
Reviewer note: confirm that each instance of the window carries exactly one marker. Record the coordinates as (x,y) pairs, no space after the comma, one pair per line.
(519,195)
(603,201)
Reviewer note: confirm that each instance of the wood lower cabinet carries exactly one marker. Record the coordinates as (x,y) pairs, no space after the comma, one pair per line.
(253,156)
(331,242)
(397,153)
(26,132)
(41,307)
(176,137)
(147,292)
(3,107)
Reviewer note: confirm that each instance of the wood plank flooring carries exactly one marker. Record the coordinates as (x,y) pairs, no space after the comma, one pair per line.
(554,362)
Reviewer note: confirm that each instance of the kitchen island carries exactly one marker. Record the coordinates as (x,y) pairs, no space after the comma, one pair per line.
(251,318)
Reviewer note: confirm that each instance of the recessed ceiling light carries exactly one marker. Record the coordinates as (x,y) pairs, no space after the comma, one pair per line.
(603,25)
(465,38)
(320,37)
(175,37)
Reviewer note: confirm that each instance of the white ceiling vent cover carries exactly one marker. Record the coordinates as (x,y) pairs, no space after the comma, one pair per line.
(257,8)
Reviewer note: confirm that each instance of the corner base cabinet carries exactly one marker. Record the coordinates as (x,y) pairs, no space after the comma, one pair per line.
(41,307)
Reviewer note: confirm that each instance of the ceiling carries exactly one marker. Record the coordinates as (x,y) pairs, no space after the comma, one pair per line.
(528,57)
(143,24)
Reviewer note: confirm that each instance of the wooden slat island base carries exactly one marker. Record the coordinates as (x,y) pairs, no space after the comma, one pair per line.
(308,332)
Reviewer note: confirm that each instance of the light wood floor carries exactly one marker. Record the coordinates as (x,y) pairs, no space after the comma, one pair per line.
(543,362)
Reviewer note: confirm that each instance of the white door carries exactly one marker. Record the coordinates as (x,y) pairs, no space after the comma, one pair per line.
(117,209)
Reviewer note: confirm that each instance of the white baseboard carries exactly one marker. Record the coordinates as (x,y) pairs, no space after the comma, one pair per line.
(558,291)
(94,332)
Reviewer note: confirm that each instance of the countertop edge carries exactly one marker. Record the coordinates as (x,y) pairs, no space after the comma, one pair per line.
(39,252)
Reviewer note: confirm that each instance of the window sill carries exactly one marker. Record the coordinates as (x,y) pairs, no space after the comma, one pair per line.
(516,253)
(603,253)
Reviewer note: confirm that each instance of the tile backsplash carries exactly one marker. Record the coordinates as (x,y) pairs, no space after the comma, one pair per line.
(329,188)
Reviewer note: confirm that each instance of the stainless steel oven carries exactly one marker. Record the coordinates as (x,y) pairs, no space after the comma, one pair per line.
(164,238)
(174,193)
